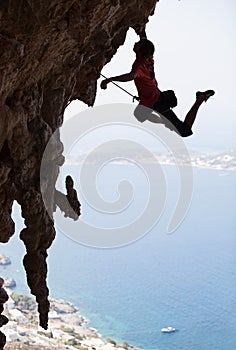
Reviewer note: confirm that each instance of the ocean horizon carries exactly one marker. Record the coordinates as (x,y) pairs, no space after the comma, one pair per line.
(186,280)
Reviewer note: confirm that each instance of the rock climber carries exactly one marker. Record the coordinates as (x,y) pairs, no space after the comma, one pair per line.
(150,95)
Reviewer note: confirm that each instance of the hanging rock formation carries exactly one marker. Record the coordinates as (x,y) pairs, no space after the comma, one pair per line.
(3,319)
(51,53)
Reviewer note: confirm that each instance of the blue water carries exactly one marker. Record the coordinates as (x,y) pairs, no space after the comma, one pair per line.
(186,280)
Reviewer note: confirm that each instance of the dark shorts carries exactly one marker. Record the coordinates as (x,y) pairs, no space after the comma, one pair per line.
(170,119)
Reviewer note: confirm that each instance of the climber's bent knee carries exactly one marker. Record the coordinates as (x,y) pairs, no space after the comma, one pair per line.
(141,113)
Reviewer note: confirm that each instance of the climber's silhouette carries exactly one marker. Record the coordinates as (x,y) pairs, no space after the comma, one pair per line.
(150,96)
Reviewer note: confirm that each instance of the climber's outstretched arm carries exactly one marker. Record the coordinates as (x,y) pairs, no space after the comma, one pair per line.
(140,31)
(122,78)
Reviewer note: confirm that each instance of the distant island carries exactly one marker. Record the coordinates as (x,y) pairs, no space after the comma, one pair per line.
(210,160)
(4,260)
(9,282)
(68,329)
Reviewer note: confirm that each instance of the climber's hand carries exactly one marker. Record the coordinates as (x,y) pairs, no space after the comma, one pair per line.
(142,34)
(104,83)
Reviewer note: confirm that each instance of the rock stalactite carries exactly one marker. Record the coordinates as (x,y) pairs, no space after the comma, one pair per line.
(51,53)
(69,203)
(3,319)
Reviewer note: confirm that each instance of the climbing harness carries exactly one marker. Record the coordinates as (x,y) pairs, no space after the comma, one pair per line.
(134,97)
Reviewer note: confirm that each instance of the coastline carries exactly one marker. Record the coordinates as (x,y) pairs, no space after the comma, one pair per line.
(67,329)
(211,160)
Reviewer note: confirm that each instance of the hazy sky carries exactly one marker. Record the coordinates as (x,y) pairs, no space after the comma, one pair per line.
(195,50)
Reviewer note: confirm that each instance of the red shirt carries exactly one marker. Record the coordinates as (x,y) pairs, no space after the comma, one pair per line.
(145,81)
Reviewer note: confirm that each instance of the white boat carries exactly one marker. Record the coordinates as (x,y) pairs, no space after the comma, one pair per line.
(168,329)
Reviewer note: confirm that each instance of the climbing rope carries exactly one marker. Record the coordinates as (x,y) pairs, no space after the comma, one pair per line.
(134,97)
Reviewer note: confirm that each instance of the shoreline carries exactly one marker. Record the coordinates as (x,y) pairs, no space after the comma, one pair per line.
(225,160)
(67,327)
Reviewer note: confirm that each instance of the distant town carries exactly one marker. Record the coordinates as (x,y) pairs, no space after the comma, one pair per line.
(209,160)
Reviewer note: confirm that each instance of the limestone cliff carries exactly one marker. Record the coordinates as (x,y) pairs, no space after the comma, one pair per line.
(51,53)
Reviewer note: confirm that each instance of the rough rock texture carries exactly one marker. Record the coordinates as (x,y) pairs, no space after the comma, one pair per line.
(51,53)
(3,319)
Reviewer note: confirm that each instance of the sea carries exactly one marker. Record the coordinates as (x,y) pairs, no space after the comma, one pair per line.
(186,279)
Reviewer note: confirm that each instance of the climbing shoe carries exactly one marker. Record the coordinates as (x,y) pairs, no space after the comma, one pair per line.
(205,95)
